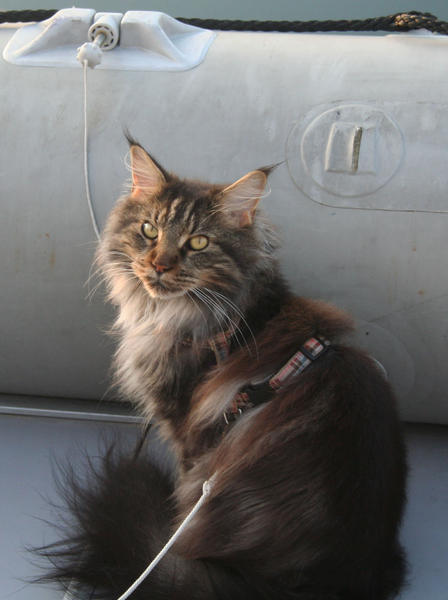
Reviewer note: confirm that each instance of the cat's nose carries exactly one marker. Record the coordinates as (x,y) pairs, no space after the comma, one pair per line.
(162,261)
(161,268)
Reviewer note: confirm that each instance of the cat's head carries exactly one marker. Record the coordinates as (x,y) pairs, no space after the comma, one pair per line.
(171,237)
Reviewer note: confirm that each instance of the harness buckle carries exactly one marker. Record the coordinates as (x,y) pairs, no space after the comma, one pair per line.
(232,415)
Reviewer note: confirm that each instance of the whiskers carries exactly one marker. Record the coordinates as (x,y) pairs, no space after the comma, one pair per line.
(114,268)
(190,294)
(220,306)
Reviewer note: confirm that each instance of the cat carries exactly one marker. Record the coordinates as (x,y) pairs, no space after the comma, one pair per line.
(310,472)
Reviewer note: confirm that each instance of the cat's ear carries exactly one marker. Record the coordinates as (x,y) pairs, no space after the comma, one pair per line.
(239,200)
(147,175)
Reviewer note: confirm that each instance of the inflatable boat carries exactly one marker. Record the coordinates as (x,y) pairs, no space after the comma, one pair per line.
(359,125)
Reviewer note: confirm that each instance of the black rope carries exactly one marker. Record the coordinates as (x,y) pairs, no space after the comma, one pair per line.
(406,21)
(25,16)
(398,22)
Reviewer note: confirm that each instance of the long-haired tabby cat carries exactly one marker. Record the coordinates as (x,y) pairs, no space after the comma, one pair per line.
(308,455)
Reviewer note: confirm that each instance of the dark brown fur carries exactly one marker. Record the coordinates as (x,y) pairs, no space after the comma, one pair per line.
(310,485)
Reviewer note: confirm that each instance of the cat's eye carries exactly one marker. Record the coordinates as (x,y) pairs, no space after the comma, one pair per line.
(198,242)
(149,230)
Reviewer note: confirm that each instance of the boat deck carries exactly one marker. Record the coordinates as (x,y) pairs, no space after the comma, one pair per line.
(32,437)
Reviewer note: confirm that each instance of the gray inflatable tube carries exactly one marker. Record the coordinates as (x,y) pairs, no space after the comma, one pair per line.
(360,123)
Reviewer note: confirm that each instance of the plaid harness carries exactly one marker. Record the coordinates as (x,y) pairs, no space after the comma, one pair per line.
(255,394)
(219,344)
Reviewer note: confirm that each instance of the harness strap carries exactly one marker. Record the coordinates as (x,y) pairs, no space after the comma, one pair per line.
(309,352)
(219,344)
(261,392)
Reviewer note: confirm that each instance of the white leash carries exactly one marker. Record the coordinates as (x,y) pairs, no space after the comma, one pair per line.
(206,489)
(86,164)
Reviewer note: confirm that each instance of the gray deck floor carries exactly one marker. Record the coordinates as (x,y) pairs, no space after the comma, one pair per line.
(28,443)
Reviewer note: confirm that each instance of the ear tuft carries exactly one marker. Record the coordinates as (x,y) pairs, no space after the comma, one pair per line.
(239,200)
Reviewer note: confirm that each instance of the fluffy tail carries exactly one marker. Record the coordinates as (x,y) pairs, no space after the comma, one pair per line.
(121,516)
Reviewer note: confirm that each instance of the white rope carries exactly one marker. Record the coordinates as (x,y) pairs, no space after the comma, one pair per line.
(86,165)
(206,489)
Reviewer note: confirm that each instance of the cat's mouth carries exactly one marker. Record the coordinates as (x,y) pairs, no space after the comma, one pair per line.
(158,287)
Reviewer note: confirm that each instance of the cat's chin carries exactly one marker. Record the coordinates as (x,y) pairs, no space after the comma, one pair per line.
(162,293)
